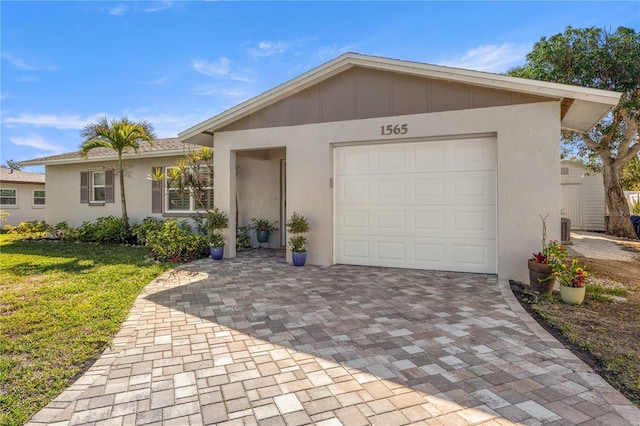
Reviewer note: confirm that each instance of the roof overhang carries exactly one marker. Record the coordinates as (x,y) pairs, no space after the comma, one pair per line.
(102,158)
(581,107)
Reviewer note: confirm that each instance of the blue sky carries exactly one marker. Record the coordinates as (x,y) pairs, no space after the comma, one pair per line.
(178,63)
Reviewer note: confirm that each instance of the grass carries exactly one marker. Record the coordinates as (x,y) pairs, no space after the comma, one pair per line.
(61,305)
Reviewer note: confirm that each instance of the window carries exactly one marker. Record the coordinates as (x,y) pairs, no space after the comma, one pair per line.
(182,202)
(98,187)
(38,197)
(9,197)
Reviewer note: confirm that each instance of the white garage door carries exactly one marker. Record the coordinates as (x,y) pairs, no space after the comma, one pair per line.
(423,205)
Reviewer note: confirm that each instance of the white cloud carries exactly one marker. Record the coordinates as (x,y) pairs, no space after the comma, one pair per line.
(30,64)
(158,80)
(167,125)
(35,141)
(118,10)
(238,93)
(490,57)
(268,48)
(219,68)
(62,122)
(159,6)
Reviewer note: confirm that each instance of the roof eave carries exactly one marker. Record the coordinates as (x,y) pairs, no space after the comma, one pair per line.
(37,162)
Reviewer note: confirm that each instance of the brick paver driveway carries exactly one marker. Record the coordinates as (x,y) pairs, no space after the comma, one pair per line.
(256,341)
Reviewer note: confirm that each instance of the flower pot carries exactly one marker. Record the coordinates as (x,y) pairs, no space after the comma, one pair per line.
(298,259)
(572,295)
(263,236)
(216,252)
(539,274)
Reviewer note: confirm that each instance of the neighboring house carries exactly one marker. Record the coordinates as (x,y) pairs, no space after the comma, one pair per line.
(582,197)
(22,195)
(83,189)
(633,197)
(402,164)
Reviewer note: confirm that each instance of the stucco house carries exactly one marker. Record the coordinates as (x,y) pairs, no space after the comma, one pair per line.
(582,197)
(83,189)
(402,164)
(22,195)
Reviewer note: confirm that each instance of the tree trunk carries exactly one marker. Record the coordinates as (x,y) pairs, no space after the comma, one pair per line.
(619,217)
(123,199)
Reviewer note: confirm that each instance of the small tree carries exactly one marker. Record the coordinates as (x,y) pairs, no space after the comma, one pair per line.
(597,58)
(13,165)
(120,136)
(216,221)
(297,225)
(193,175)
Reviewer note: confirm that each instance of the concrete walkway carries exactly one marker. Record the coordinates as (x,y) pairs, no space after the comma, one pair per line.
(254,340)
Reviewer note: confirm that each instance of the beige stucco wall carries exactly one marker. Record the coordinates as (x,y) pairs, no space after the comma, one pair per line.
(528,170)
(25,211)
(63,191)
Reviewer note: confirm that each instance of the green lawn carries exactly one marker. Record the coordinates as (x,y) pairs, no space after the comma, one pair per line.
(61,304)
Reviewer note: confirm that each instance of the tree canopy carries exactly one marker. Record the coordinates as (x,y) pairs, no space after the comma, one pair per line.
(601,59)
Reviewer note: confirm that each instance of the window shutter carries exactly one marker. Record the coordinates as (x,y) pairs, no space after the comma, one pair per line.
(108,186)
(156,192)
(84,187)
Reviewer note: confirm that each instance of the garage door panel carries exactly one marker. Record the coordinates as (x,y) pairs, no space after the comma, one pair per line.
(405,221)
(395,221)
(356,250)
(437,156)
(425,205)
(390,251)
(443,254)
(423,188)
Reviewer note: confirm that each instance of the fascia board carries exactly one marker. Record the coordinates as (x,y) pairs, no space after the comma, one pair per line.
(158,154)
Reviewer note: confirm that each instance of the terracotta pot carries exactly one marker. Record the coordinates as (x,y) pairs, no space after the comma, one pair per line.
(539,274)
(572,295)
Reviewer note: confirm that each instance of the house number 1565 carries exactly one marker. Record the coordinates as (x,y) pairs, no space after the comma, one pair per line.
(390,129)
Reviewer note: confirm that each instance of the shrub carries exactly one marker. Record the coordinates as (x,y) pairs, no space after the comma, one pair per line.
(140,230)
(243,240)
(635,208)
(112,230)
(60,231)
(176,242)
(34,230)
(85,232)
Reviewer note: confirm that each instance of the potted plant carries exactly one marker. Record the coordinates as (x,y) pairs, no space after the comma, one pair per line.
(541,264)
(216,221)
(263,228)
(572,281)
(297,225)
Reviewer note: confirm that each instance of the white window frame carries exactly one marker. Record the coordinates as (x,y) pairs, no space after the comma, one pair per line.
(192,201)
(44,199)
(15,192)
(93,186)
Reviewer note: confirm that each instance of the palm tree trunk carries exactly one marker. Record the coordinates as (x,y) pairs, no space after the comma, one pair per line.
(123,199)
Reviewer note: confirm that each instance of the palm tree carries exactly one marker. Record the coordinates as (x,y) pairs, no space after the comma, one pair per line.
(120,136)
